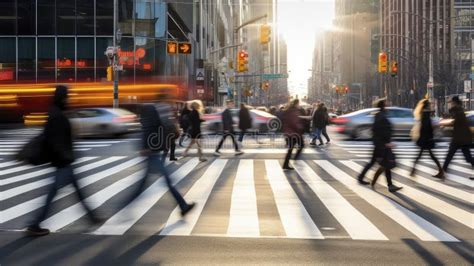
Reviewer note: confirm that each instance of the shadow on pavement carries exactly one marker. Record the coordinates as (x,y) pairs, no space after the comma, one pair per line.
(423,253)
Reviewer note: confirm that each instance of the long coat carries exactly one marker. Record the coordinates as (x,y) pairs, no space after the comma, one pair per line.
(245,120)
(195,124)
(461,132)
(426,139)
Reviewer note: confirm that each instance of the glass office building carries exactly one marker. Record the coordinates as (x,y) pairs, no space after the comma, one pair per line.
(65,40)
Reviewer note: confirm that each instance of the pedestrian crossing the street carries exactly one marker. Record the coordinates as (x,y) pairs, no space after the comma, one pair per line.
(240,197)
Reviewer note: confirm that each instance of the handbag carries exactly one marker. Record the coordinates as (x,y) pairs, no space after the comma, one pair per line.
(34,152)
(415,131)
(388,160)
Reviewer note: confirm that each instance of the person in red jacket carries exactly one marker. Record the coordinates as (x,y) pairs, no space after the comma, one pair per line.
(293,129)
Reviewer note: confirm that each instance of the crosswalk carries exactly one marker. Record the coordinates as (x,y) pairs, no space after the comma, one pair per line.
(239,197)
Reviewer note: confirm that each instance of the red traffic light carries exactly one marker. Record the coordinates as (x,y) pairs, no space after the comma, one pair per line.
(243,54)
(346,89)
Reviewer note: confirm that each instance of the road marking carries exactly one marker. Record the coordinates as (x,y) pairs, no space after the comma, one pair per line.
(451,177)
(9,163)
(458,168)
(356,224)
(451,211)
(17,169)
(243,220)
(36,203)
(123,220)
(45,171)
(420,227)
(293,215)
(199,193)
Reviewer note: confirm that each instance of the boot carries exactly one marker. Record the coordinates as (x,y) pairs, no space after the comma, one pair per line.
(413,171)
(440,174)
(376,176)
(393,188)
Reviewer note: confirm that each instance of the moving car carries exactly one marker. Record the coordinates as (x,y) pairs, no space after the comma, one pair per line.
(358,125)
(446,125)
(261,121)
(102,122)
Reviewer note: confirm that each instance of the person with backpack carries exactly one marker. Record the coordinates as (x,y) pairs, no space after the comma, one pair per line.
(59,151)
(422,133)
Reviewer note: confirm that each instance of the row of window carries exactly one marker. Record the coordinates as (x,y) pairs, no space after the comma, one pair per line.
(81,17)
(69,59)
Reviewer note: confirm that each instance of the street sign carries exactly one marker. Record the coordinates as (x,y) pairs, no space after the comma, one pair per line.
(184,48)
(200,74)
(274,76)
(172,47)
(467,86)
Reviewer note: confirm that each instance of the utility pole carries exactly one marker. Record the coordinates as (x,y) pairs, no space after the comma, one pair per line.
(115,58)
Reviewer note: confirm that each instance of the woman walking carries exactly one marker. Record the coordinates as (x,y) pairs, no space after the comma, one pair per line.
(425,135)
(245,121)
(195,129)
(293,129)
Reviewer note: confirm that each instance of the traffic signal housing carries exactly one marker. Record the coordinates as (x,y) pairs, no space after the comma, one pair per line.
(394,69)
(383,62)
(265,33)
(242,61)
(110,73)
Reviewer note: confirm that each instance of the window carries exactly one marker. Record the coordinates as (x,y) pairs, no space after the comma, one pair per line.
(66,59)
(7,59)
(85,17)
(26,17)
(145,57)
(85,59)
(46,59)
(27,59)
(47,23)
(66,17)
(104,17)
(101,60)
(144,21)
(395,113)
(127,59)
(126,17)
(7,17)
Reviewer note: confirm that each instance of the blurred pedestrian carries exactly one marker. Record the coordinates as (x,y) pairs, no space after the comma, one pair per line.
(383,154)
(154,141)
(462,138)
(195,121)
(423,134)
(228,129)
(170,128)
(293,129)
(245,121)
(319,122)
(324,130)
(58,140)
(184,123)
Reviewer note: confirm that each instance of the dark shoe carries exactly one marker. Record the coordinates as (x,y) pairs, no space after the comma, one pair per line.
(239,152)
(288,168)
(412,173)
(440,174)
(173,159)
(471,178)
(321,144)
(217,153)
(188,209)
(328,142)
(363,182)
(393,188)
(312,143)
(36,231)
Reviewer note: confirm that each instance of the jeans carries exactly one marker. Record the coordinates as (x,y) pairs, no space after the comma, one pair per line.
(242,134)
(64,176)
(317,135)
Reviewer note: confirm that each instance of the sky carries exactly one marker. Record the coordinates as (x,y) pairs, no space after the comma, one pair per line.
(299,21)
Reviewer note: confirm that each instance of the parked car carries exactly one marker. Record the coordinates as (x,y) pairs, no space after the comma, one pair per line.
(358,125)
(446,125)
(261,121)
(101,122)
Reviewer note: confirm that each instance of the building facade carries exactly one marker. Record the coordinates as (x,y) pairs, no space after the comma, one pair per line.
(463,43)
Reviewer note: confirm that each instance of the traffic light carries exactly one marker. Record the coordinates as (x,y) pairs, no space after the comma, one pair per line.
(346,90)
(337,89)
(383,61)
(265,33)
(394,69)
(242,61)
(265,85)
(109,73)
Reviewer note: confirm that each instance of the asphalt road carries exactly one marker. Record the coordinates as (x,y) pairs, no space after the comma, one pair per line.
(248,210)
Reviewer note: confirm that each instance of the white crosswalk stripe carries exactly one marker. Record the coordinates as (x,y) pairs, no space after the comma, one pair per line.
(244,217)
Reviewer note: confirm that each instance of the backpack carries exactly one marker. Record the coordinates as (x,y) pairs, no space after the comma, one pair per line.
(34,152)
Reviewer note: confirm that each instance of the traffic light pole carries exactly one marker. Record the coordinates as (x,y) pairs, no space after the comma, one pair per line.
(115,58)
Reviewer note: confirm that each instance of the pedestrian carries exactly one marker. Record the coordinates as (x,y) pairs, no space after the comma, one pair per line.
(153,142)
(245,121)
(462,138)
(293,129)
(382,154)
(324,130)
(423,134)
(228,129)
(195,121)
(319,122)
(169,129)
(58,140)
(184,123)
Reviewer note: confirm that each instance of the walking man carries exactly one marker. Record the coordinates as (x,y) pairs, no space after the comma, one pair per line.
(58,139)
(228,129)
(293,129)
(245,121)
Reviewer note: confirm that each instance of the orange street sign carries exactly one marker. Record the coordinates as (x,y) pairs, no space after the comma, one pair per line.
(184,48)
(172,48)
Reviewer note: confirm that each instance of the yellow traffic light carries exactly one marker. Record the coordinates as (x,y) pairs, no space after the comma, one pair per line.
(242,61)
(394,68)
(383,62)
(265,33)
(109,73)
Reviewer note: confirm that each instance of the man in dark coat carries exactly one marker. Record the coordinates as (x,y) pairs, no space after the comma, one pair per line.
(293,129)
(383,154)
(58,138)
(228,129)
(319,120)
(462,138)
(184,123)
(245,121)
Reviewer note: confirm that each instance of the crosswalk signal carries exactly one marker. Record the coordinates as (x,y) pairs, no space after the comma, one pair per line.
(265,33)
(242,61)
(109,73)
(394,69)
(383,61)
